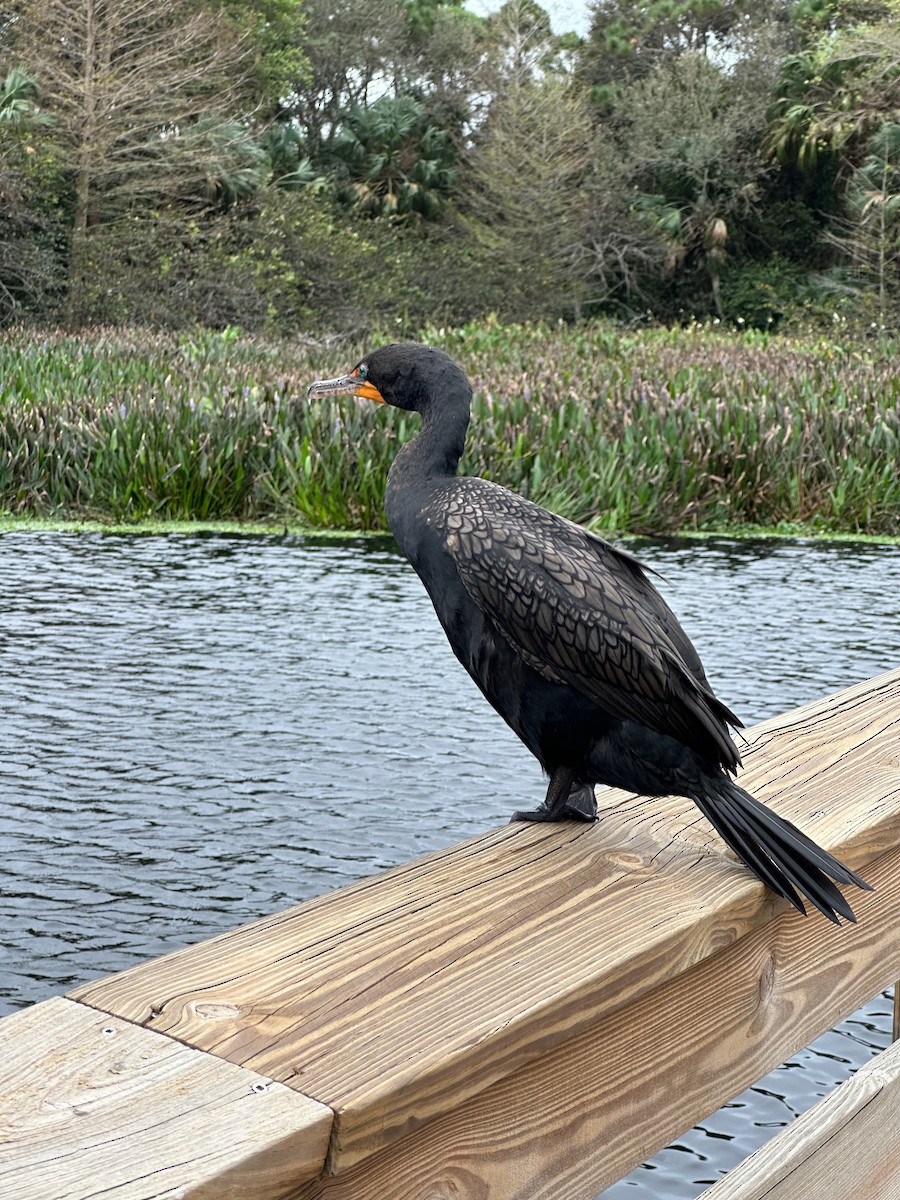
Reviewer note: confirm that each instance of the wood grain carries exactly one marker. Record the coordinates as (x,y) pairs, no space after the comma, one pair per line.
(399,999)
(575,1120)
(93,1106)
(845,1147)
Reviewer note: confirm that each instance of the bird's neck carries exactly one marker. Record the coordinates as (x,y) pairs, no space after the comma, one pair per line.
(435,452)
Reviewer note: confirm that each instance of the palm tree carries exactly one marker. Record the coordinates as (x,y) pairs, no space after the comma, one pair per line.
(19,96)
(396,161)
(234,165)
(290,166)
(836,95)
(691,229)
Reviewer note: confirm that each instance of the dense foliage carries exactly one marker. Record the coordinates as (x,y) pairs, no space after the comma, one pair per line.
(363,164)
(644,432)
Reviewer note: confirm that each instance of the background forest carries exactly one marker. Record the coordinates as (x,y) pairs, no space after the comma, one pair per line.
(349,165)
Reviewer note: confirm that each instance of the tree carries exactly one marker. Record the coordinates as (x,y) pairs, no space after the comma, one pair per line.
(868,236)
(275,32)
(832,97)
(350,45)
(27,269)
(689,135)
(127,81)
(289,165)
(362,50)
(630,38)
(443,60)
(813,18)
(835,116)
(398,162)
(523,47)
(525,198)
(19,96)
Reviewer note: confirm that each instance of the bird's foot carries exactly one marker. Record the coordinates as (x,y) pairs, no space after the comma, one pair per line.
(580,805)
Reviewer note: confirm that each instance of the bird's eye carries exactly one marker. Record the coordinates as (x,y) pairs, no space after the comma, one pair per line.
(362,371)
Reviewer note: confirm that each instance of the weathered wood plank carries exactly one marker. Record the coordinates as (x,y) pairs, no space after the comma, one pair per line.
(93,1106)
(575,1120)
(399,999)
(845,1147)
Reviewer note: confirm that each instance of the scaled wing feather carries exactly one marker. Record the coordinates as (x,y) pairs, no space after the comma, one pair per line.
(584,614)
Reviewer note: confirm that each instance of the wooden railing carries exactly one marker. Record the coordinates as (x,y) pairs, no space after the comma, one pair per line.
(524,1016)
(844,1148)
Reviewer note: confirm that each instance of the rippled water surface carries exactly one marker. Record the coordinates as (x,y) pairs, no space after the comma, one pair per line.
(195,731)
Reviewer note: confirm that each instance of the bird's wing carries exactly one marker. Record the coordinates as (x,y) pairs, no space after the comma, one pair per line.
(584,614)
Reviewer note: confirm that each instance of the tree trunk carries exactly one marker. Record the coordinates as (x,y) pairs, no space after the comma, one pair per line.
(882,242)
(86,149)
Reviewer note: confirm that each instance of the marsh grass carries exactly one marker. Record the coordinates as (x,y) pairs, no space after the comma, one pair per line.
(645,432)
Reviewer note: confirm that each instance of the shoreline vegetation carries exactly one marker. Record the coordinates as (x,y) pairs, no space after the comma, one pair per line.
(288,529)
(654,431)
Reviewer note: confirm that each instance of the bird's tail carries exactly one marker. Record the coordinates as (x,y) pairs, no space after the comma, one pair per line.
(776,851)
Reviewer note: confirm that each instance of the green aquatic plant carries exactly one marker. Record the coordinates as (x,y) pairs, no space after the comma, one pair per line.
(644,431)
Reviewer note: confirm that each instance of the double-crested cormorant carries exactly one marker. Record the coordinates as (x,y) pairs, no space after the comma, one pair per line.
(567,637)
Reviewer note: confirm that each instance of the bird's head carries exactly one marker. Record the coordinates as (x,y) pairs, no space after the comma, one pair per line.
(404,374)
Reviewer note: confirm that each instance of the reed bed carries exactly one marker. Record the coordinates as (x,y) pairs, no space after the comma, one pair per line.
(645,432)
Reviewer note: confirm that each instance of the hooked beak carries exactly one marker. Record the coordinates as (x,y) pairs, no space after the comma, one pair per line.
(345,385)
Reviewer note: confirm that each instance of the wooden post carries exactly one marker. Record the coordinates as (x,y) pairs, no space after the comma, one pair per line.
(531,1013)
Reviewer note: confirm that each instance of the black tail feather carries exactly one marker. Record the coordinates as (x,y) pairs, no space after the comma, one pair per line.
(777,852)
(748,852)
(806,871)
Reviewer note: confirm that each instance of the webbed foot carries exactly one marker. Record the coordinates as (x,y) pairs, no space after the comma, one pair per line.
(579,805)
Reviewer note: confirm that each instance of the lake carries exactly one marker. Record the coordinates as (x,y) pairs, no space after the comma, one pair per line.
(198,730)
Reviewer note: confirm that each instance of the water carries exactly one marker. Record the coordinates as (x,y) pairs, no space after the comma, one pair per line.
(196,731)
